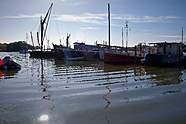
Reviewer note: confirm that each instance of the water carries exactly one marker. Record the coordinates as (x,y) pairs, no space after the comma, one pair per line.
(57,92)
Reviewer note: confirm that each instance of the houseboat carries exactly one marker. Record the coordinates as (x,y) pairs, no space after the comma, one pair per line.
(164,54)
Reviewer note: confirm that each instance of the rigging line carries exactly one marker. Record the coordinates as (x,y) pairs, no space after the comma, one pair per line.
(47,18)
(56,24)
(35,26)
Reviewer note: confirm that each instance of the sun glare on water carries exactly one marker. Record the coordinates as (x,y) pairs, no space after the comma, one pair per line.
(44,117)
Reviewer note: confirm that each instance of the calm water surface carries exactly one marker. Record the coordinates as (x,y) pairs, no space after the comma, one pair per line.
(57,92)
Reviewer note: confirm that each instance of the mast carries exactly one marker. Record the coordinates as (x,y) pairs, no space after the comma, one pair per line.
(67,40)
(182,35)
(38,38)
(122,37)
(109,24)
(32,39)
(27,38)
(42,28)
(127,30)
(43,21)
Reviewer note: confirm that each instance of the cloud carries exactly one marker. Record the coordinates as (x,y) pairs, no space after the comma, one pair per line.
(170,36)
(99,18)
(89,28)
(71,2)
(83,18)
(22,16)
(145,19)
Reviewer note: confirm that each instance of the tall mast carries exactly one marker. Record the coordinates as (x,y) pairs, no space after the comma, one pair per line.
(127,31)
(43,21)
(182,35)
(42,28)
(27,38)
(122,37)
(38,38)
(32,39)
(109,24)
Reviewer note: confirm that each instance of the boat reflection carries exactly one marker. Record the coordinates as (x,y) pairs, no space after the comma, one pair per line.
(165,76)
(107,98)
(6,74)
(44,84)
(97,64)
(161,76)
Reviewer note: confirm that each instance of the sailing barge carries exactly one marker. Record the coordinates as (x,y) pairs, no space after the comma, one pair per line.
(41,53)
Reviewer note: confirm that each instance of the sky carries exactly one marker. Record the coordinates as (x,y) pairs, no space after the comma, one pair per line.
(86,20)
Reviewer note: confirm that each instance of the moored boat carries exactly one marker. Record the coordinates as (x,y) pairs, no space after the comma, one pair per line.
(165,54)
(7,63)
(73,55)
(91,52)
(118,58)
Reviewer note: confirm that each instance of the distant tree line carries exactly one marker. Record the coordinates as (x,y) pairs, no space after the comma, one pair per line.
(15,46)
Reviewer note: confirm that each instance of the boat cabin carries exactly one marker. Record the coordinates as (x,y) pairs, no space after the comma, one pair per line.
(85,47)
(165,48)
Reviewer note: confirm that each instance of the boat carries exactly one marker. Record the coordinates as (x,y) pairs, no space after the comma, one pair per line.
(41,53)
(118,58)
(1,63)
(116,54)
(164,54)
(91,52)
(71,54)
(7,63)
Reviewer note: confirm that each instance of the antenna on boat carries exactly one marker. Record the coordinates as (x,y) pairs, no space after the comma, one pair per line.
(127,33)
(109,24)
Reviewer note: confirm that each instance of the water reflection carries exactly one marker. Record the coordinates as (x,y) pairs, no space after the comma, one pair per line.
(6,74)
(97,65)
(165,76)
(107,98)
(43,117)
(44,84)
(57,84)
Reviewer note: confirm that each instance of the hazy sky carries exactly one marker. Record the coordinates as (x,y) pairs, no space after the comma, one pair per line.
(86,20)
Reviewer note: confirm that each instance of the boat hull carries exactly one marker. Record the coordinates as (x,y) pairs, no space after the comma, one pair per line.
(163,60)
(114,58)
(73,55)
(45,54)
